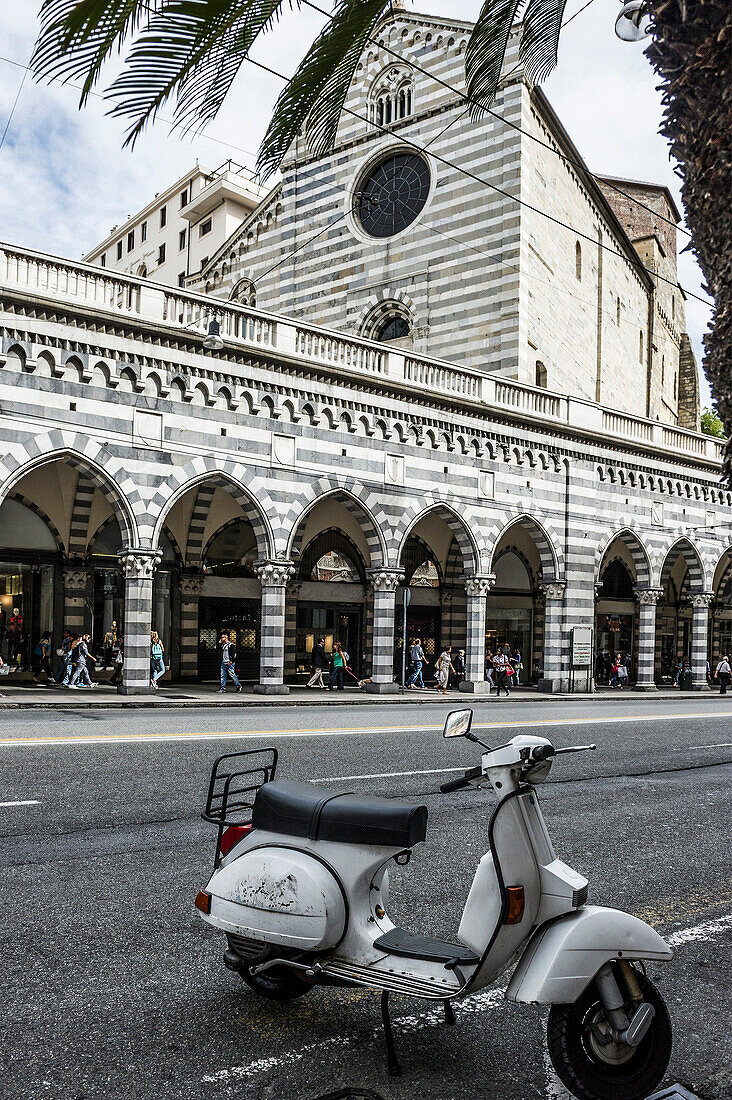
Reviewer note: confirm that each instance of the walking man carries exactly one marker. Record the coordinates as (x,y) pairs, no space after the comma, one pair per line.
(228,660)
(723,674)
(444,668)
(318,662)
(81,671)
(416,656)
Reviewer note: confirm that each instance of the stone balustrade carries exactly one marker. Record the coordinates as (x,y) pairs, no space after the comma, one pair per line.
(92,288)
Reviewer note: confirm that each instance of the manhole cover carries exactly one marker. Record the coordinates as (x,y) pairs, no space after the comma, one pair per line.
(674,1092)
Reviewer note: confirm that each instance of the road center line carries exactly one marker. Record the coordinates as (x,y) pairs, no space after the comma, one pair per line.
(141,738)
(26,802)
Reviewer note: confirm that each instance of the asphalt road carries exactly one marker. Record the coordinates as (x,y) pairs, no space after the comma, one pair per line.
(113,987)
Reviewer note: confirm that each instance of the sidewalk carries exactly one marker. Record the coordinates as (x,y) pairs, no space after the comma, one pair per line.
(30,696)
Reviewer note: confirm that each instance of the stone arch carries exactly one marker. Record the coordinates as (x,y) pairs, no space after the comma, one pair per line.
(378,307)
(250,493)
(552,564)
(33,507)
(80,513)
(694,565)
(636,548)
(461,527)
(363,506)
(90,457)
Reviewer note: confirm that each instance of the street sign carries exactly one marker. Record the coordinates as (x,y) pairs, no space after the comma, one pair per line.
(582,647)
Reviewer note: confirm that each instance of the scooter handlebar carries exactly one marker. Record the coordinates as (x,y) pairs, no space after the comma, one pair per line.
(462,781)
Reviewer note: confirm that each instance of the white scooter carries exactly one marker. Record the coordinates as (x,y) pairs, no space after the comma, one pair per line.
(300,887)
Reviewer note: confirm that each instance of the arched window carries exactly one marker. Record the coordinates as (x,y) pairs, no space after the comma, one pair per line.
(392,328)
(332,557)
(244,292)
(578,261)
(232,551)
(540,374)
(387,321)
(420,568)
(391,96)
(617,583)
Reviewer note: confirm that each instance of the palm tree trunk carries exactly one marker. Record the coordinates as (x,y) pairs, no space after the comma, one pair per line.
(690,51)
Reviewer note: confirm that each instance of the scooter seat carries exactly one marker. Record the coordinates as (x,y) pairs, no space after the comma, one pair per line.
(304,809)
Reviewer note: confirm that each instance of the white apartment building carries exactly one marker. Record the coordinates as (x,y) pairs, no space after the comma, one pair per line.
(175,235)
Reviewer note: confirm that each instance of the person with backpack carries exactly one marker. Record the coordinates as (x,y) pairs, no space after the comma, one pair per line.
(81,671)
(228,661)
(157,662)
(338,666)
(417,658)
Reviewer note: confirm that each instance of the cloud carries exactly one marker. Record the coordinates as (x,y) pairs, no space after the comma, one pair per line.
(65,179)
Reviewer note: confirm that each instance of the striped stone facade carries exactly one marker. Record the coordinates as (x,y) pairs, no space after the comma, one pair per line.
(295,431)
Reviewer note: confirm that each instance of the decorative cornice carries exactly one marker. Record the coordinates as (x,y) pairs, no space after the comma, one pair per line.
(274,573)
(553,590)
(139,563)
(479,584)
(648,596)
(385,580)
(701,599)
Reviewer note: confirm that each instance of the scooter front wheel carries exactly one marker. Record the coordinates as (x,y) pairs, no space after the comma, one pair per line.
(594,1067)
(280,984)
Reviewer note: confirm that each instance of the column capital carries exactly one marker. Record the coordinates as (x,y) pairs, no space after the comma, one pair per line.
(191,585)
(553,590)
(701,599)
(479,584)
(385,580)
(139,563)
(75,580)
(648,596)
(274,573)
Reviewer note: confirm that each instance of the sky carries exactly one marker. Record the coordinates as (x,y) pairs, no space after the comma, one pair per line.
(65,179)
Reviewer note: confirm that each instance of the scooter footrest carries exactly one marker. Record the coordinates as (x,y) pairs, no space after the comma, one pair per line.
(410,945)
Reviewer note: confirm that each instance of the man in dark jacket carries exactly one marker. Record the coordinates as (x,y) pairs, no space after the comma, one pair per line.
(318,662)
(228,661)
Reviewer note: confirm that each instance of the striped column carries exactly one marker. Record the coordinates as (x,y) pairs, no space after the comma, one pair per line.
(554,668)
(700,602)
(191,586)
(138,567)
(384,583)
(273,576)
(646,650)
(477,589)
(76,583)
(291,597)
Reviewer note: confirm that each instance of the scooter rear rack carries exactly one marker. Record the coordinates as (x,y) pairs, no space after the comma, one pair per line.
(235,779)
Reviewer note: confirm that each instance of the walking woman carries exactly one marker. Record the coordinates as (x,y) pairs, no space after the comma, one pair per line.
(119,661)
(444,668)
(338,663)
(157,662)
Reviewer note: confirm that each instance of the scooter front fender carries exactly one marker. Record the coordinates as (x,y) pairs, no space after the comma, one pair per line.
(563,956)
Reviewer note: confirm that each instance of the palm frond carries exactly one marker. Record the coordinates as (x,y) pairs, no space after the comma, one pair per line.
(315,95)
(542,23)
(486,49)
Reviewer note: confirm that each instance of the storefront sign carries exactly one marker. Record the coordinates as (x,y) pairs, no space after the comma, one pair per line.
(581,647)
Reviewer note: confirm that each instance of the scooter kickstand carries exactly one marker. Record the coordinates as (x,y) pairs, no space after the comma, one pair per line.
(395,1070)
(449,1015)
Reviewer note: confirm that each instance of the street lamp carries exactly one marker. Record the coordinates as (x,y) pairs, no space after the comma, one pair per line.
(213,340)
(628,24)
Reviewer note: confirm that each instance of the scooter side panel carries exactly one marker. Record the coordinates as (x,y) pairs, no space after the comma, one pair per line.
(563,957)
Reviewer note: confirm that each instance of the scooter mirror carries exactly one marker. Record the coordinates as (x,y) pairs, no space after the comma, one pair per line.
(458,723)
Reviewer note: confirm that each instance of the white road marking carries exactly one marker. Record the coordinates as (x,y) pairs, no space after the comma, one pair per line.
(718,745)
(26,802)
(143,738)
(487,1000)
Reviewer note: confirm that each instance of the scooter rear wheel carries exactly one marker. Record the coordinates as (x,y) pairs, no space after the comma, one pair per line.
(280,984)
(596,1070)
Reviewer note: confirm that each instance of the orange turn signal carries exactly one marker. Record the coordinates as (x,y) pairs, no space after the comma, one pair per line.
(203,901)
(516,902)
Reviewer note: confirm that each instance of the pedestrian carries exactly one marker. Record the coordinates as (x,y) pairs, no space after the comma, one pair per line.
(517,665)
(16,639)
(157,661)
(503,669)
(459,666)
(443,669)
(228,661)
(417,659)
(622,668)
(318,663)
(69,660)
(489,668)
(42,655)
(614,672)
(62,653)
(3,672)
(676,669)
(723,674)
(81,671)
(338,664)
(119,662)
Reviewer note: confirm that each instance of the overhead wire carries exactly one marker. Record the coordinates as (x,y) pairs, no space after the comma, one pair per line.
(502,118)
(12,109)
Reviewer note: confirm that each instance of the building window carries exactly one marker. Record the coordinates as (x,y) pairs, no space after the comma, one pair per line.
(182,279)
(143,232)
(103,259)
(245,292)
(161,254)
(617,313)
(392,328)
(673,308)
(676,378)
(540,374)
(181,240)
(184,197)
(663,369)
(163,217)
(391,194)
(142,273)
(119,250)
(204,228)
(391,96)
(204,261)
(640,345)
(130,240)
(578,261)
